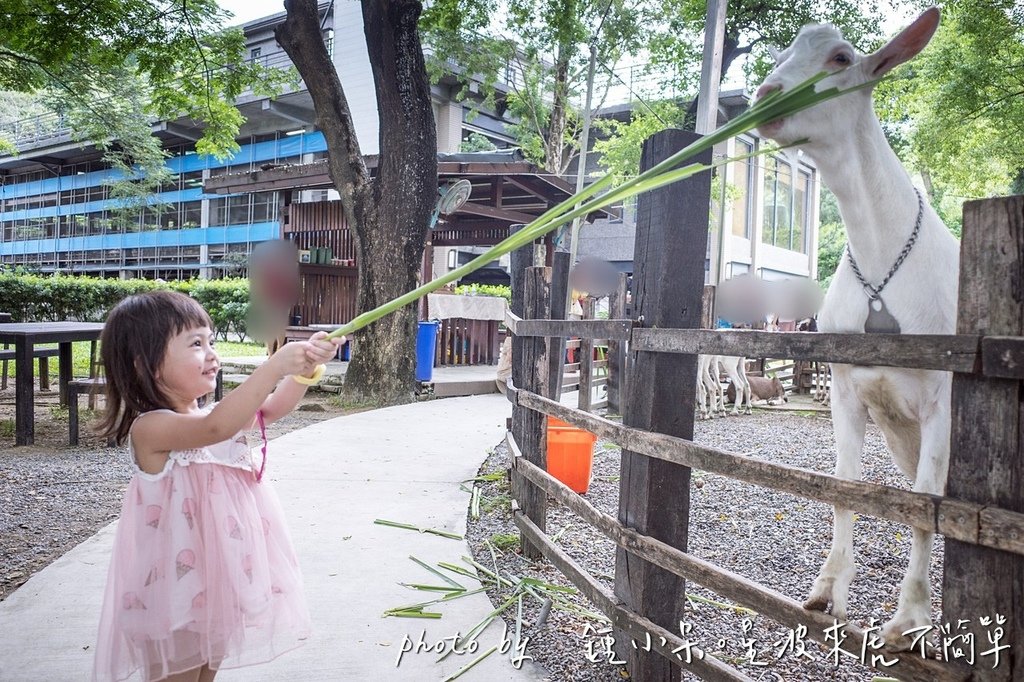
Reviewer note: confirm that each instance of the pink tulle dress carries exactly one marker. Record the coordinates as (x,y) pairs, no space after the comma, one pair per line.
(202,570)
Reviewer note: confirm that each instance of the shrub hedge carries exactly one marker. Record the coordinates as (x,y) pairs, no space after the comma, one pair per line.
(38,298)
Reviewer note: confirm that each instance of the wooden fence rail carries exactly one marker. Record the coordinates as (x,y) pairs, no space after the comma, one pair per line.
(998,357)
(778,606)
(965,521)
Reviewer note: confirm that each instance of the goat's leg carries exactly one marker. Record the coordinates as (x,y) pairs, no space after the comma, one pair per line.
(703,386)
(702,398)
(715,396)
(748,392)
(914,608)
(849,418)
(729,363)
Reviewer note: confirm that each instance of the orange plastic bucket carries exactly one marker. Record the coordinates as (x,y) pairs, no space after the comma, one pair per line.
(570,454)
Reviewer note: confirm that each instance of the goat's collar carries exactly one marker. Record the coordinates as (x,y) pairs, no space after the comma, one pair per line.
(879,319)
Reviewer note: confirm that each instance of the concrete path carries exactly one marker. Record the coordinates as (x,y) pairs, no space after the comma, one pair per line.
(334,478)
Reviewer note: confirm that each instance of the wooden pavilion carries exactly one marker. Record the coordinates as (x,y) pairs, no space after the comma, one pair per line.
(507,190)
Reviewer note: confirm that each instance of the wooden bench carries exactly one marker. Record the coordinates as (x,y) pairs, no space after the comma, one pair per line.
(44,369)
(92,385)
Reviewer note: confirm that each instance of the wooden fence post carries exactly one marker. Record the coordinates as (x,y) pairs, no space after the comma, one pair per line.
(556,346)
(586,395)
(529,372)
(707,316)
(654,495)
(987,464)
(617,349)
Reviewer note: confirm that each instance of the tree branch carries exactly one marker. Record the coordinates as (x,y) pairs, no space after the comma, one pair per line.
(208,73)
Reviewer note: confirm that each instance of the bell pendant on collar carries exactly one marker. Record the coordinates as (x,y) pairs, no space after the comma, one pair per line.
(880,320)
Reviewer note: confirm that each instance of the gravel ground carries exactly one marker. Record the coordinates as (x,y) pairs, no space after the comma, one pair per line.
(771,538)
(53,496)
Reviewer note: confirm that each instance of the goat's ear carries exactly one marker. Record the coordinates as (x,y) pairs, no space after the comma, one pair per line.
(905,46)
(775,53)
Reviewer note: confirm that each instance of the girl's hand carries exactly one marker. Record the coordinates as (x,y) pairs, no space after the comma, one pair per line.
(321,349)
(291,358)
(302,357)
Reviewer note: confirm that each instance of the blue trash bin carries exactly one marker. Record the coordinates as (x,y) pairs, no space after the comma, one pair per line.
(426,344)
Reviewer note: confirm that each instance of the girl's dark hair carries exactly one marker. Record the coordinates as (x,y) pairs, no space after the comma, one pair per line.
(133,345)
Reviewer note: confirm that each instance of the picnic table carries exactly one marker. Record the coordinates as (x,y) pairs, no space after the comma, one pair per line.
(24,336)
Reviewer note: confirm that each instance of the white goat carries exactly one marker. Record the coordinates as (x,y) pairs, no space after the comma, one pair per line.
(880,208)
(707,401)
(736,369)
(710,394)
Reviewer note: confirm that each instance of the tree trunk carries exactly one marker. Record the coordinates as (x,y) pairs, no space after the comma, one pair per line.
(388,215)
(555,146)
(1017,186)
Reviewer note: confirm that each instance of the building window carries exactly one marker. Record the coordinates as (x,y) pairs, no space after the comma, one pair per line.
(786,202)
(801,211)
(743,180)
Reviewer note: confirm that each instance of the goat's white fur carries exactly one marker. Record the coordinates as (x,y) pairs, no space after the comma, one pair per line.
(707,387)
(879,207)
(710,394)
(736,369)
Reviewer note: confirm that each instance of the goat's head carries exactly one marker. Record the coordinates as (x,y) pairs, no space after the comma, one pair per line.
(820,47)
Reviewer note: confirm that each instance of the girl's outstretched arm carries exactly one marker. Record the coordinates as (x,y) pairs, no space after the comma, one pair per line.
(158,433)
(287,395)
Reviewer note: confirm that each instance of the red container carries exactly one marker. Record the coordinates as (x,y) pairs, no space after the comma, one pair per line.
(570,454)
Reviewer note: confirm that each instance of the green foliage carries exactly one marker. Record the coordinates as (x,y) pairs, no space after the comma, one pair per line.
(831,238)
(544,47)
(113,67)
(831,245)
(227,301)
(960,104)
(622,142)
(37,298)
(505,541)
(750,27)
(532,111)
(485,290)
(476,143)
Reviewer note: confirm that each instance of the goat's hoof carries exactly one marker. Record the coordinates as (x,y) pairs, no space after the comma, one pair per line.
(898,633)
(817,603)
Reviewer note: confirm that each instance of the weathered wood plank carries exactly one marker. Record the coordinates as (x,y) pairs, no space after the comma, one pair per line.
(987,458)
(529,372)
(586,329)
(559,297)
(708,667)
(764,600)
(957,519)
(586,394)
(671,236)
(923,351)
(1002,357)
(617,349)
(707,307)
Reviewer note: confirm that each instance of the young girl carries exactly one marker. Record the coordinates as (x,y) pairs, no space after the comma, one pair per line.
(203,575)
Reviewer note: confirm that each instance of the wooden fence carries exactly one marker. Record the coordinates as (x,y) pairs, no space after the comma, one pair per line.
(467,342)
(981,515)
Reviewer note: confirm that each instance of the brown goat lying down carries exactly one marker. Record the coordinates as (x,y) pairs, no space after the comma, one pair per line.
(762,388)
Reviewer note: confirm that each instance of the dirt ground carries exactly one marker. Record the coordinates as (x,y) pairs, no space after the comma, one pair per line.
(54,496)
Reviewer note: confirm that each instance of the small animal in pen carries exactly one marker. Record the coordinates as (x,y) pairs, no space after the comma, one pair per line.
(769,389)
